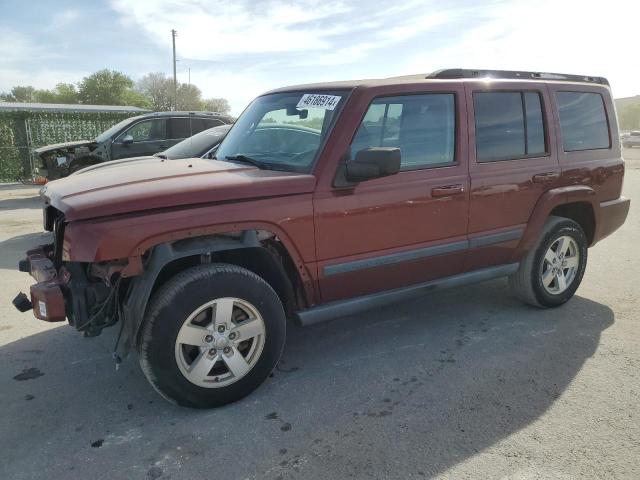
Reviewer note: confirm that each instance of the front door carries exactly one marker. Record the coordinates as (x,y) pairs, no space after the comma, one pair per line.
(407,228)
(143,138)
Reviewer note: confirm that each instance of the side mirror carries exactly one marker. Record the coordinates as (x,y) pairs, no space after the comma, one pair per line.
(373,162)
(127,140)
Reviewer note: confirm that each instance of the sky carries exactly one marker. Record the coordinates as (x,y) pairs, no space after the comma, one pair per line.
(238,49)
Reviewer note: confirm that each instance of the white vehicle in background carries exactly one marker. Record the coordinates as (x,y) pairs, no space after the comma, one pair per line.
(630,140)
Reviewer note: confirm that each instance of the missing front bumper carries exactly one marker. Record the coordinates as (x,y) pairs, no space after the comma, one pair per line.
(47,299)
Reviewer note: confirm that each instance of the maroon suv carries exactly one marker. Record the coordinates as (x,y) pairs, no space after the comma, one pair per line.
(325,200)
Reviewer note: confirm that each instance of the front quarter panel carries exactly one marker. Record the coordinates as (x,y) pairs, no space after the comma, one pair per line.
(127,236)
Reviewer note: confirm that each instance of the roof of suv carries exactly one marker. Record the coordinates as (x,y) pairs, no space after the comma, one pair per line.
(222,116)
(448,74)
(185,113)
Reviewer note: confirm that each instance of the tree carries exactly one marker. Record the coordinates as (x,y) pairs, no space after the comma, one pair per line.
(109,87)
(220,105)
(158,88)
(20,94)
(136,99)
(189,97)
(62,93)
(105,87)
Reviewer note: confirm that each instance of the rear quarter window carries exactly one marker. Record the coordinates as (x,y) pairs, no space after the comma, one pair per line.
(583,121)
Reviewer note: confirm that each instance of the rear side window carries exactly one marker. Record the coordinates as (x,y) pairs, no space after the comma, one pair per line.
(180,128)
(422,126)
(583,121)
(200,124)
(211,122)
(509,125)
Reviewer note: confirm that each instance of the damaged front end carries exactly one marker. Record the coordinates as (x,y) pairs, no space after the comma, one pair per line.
(85,294)
(60,160)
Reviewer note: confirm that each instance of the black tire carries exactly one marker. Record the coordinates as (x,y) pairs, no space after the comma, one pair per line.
(527,284)
(175,301)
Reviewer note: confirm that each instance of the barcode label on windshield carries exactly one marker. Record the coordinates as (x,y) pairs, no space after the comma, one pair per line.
(316,100)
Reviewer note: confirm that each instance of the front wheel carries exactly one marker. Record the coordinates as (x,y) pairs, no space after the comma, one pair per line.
(211,335)
(551,272)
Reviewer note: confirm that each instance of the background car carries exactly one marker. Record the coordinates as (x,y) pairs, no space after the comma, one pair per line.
(133,137)
(200,145)
(631,140)
(287,140)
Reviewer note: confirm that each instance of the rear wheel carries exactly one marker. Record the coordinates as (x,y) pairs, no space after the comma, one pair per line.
(551,272)
(212,335)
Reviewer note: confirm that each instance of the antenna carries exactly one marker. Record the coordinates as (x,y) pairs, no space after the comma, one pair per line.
(174,34)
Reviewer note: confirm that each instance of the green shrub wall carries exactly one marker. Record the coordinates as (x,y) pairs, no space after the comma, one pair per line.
(22,131)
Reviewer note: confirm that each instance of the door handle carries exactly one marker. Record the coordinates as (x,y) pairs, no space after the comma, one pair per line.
(545,177)
(447,190)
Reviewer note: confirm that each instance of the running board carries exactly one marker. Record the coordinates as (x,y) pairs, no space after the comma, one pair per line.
(350,306)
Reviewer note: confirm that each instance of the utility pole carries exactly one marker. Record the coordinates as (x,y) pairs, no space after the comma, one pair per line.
(175,78)
(189,75)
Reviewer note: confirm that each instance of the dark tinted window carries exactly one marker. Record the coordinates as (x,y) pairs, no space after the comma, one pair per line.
(180,128)
(583,121)
(211,122)
(503,130)
(422,126)
(200,124)
(147,131)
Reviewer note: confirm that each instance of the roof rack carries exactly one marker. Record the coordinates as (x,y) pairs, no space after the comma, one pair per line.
(451,73)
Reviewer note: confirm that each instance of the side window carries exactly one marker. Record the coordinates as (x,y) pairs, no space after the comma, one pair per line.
(583,121)
(509,125)
(147,131)
(181,128)
(422,126)
(200,124)
(211,122)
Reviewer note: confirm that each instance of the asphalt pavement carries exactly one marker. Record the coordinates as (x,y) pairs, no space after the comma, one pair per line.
(467,383)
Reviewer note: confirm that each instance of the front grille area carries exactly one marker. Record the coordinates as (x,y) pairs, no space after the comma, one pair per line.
(57,222)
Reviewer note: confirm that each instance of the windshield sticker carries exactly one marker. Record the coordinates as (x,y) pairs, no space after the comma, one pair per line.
(316,100)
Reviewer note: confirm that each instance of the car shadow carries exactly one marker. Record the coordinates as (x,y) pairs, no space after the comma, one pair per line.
(14,197)
(428,383)
(14,249)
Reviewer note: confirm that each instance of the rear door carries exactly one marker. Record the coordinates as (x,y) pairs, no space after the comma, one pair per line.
(406,228)
(512,162)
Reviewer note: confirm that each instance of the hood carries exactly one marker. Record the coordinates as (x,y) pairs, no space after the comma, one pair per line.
(112,163)
(156,183)
(58,146)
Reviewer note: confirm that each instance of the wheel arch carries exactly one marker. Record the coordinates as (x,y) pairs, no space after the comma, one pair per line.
(580,212)
(258,251)
(577,202)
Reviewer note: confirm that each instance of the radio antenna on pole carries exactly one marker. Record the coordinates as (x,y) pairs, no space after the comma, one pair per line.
(175,78)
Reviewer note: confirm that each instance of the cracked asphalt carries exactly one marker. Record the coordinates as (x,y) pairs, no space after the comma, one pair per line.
(467,383)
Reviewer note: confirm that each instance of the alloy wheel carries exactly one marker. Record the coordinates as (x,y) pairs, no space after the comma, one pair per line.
(560,265)
(220,342)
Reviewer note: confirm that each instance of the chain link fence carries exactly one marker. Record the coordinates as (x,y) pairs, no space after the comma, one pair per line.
(22,131)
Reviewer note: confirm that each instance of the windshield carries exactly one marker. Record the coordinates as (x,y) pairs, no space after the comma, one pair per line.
(108,133)
(283,131)
(197,145)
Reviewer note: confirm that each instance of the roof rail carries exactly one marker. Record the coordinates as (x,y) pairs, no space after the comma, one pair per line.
(452,73)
